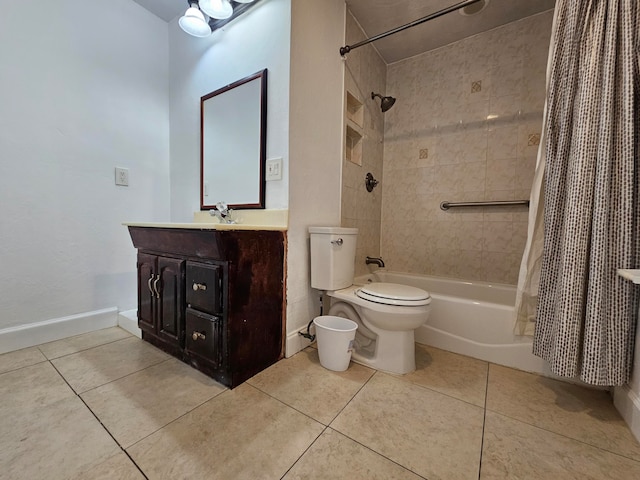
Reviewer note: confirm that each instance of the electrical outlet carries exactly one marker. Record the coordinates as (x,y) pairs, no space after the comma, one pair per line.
(122,176)
(274,169)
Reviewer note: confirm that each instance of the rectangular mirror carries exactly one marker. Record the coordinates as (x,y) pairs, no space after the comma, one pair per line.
(233,137)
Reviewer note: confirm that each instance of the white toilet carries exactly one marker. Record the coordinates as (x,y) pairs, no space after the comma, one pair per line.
(387,314)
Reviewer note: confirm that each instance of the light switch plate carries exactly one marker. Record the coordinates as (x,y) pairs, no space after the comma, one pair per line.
(274,169)
(122,176)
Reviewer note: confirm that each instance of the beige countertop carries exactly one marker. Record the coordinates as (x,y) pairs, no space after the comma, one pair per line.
(261,219)
(206,226)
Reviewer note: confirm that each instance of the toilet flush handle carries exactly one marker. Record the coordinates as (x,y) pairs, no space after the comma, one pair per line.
(337,242)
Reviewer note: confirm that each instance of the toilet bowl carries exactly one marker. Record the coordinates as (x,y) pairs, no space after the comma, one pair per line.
(386,324)
(386,313)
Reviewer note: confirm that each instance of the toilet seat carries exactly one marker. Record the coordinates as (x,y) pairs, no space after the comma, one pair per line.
(394,294)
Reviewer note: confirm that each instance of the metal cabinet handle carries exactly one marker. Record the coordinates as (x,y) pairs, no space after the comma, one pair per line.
(149,284)
(155,286)
(199,286)
(337,242)
(198,335)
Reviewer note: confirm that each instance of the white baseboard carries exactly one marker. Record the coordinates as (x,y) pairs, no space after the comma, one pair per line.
(23,336)
(296,342)
(128,320)
(627,402)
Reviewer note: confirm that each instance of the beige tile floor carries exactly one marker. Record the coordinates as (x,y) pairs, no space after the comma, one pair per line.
(106,405)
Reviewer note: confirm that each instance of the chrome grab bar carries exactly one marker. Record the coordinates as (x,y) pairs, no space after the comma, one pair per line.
(495,203)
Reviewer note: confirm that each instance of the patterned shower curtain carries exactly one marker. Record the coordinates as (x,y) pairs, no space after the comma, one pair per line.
(586,314)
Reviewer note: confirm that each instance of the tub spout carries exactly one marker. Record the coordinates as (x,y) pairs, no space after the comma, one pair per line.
(375,260)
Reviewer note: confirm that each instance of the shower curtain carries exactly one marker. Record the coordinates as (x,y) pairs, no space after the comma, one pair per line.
(586,315)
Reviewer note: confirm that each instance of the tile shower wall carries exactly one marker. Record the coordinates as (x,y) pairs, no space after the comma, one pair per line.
(466,127)
(365,72)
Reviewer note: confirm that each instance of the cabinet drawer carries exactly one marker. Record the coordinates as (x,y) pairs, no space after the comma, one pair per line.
(204,336)
(203,287)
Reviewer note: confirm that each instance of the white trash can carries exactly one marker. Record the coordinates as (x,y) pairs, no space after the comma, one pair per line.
(335,337)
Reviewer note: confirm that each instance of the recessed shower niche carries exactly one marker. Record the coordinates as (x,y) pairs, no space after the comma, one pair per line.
(354,116)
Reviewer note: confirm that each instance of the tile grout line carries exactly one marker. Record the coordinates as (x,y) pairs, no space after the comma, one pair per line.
(100,422)
(484,419)
(537,427)
(305,451)
(25,366)
(83,349)
(438,391)
(179,417)
(375,372)
(377,453)
(133,373)
(328,427)
(124,376)
(270,396)
(354,396)
(285,404)
(78,394)
(248,382)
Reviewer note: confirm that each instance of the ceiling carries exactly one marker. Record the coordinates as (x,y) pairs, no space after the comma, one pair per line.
(378,16)
(167,10)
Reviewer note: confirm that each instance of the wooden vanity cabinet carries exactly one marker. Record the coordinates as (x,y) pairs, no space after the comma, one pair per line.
(214,299)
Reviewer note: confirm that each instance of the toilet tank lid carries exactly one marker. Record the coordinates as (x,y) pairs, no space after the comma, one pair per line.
(334,230)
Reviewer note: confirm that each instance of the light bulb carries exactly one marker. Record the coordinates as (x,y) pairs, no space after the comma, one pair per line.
(194,23)
(219,9)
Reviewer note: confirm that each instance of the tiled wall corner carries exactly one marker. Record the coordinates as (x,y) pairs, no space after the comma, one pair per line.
(366,72)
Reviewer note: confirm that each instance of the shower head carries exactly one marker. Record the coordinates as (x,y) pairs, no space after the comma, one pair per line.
(385,102)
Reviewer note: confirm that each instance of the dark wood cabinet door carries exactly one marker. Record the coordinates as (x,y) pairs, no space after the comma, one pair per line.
(171,306)
(204,336)
(146,295)
(203,287)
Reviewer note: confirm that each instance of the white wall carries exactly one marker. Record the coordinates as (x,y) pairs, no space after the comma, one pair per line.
(634,383)
(315,145)
(258,39)
(78,98)
(627,397)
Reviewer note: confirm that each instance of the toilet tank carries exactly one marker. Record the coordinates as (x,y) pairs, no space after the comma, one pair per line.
(333,254)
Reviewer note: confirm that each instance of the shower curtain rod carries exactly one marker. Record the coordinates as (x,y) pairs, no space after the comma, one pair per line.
(347,48)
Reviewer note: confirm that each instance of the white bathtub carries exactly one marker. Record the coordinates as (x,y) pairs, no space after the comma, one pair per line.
(470,318)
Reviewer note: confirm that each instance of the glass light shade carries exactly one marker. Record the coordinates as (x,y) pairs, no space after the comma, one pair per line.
(244,1)
(219,9)
(193,23)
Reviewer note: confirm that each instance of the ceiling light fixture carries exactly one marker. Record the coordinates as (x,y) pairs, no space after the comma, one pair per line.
(194,22)
(220,9)
(243,1)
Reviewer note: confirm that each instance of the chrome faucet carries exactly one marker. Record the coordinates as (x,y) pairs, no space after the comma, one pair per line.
(376,260)
(222,212)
